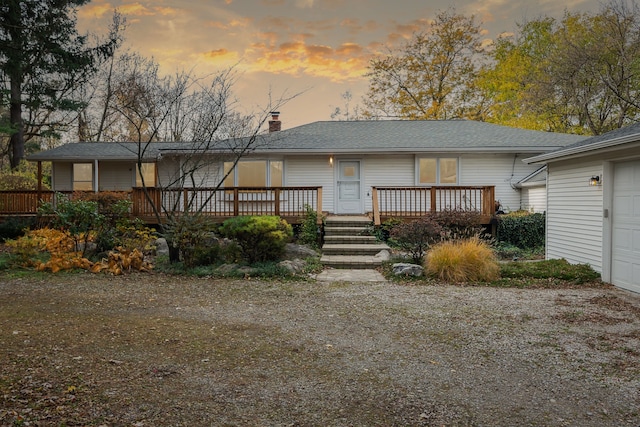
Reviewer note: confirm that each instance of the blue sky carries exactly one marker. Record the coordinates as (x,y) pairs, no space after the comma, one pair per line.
(318,47)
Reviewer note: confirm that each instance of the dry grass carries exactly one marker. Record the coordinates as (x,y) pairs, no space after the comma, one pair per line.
(470,260)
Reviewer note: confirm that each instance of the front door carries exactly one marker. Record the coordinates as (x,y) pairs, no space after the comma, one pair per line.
(349,191)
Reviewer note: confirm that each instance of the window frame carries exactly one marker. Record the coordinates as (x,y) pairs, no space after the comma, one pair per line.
(234,176)
(75,181)
(138,179)
(438,160)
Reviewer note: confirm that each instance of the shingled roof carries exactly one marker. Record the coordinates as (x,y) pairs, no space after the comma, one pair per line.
(348,137)
(609,140)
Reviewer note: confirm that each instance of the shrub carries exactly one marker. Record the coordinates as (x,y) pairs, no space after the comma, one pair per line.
(79,218)
(14,227)
(192,236)
(59,245)
(308,234)
(261,238)
(25,177)
(382,232)
(551,269)
(416,236)
(458,224)
(470,260)
(522,229)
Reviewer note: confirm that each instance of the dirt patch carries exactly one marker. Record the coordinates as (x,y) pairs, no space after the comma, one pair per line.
(150,350)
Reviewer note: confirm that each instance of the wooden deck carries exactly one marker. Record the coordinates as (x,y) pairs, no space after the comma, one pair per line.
(415,202)
(289,203)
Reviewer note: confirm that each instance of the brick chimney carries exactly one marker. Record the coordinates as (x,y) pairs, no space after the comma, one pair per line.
(275,124)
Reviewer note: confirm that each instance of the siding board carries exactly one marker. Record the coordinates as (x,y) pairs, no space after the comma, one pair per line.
(574,216)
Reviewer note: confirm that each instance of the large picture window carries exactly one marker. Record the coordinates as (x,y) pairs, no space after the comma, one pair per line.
(149,174)
(437,170)
(254,173)
(82,177)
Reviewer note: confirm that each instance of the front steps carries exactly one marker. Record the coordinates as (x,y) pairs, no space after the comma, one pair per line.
(348,244)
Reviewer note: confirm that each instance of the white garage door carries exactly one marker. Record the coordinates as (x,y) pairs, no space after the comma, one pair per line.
(625,257)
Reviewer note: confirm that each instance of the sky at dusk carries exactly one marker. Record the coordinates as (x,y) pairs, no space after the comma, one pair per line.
(318,47)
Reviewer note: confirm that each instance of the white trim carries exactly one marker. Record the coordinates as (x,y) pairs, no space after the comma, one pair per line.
(437,158)
(607,223)
(583,149)
(336,179)
(95,176)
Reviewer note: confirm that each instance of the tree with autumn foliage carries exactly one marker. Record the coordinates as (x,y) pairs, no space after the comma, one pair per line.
(580,74)
(428,77)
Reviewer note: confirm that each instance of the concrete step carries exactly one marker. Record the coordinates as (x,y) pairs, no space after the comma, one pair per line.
(349,240)
(357,262)
(345,231)
(353,249)
(347,221)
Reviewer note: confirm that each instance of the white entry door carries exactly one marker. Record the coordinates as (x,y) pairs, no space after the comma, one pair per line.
(349,191)
(625,248)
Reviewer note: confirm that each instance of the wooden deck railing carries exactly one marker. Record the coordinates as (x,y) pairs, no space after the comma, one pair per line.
(414,202)
(24,202)
(288,202)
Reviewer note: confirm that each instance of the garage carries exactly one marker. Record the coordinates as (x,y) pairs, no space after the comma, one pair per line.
(625,238)
(593,204)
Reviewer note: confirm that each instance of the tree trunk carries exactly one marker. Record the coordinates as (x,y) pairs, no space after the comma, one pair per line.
(15,117)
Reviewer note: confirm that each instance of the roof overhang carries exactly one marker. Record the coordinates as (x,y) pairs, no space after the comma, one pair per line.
(606,146)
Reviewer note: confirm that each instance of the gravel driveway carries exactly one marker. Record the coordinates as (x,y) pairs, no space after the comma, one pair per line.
(156,350)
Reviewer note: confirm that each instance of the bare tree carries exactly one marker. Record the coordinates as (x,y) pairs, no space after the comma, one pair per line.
(428,78)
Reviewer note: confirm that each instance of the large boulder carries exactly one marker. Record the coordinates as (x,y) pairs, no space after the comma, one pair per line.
(404,269)
(293,266)
(162,247)
(383,255)
(293,251)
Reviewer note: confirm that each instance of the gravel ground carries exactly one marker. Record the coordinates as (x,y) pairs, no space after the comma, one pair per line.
(155,350)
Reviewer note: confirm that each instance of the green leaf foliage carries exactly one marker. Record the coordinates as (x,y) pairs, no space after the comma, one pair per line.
(521,229)
(261,238)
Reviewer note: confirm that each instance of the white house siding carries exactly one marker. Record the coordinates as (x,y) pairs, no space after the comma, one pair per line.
(167,170)
(311,172)
(501,170)
(534,199)
(115,176)
(574,213)
(62,173)
(387,171)
(206,173)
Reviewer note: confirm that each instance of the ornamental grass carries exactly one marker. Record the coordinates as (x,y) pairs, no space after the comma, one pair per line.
(468,260)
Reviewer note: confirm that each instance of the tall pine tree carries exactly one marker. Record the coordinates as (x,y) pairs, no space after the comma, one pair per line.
(42,60)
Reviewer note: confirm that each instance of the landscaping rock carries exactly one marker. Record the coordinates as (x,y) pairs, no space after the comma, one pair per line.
(384,255)
(403,269)
(294,251)
(293,266)
(162,247)
(226,269)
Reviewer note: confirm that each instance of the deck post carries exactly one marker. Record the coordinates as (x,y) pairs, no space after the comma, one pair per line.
(39,181)
(319,206)
(236,202)
(185,201)
(433,199)
(376,206)
(276,196)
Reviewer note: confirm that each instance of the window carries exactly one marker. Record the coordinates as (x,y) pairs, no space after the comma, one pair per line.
(437,171)
(82,177)
(254,173)
(149,174)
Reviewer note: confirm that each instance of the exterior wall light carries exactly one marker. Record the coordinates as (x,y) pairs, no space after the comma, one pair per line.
(331,161)
(595,181)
